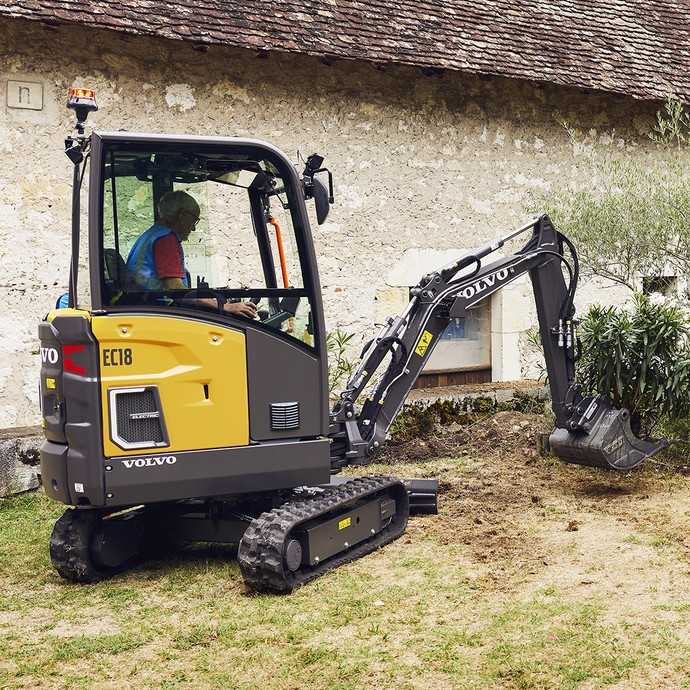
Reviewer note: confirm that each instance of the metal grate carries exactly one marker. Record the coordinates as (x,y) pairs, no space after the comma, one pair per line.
(138,419)
(284,416)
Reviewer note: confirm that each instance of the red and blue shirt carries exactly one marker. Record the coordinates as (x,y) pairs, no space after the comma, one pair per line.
(156,255)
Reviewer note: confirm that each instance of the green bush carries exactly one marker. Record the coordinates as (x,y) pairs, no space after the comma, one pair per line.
(639,356)
(632,217)
(416,420)
(678,430)
(632,222)
(340,365)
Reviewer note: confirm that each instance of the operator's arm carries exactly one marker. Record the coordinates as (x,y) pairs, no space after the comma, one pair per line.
(247,309)
(170,269)
(174,284)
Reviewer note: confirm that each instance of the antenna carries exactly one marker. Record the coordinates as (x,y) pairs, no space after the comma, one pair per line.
(82,101)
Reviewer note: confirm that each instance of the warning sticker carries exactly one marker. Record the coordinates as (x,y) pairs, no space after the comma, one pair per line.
(50,383)
(423,344)
(346,522)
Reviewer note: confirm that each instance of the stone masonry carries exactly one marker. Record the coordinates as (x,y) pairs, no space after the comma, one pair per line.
(422,164)
(19,460)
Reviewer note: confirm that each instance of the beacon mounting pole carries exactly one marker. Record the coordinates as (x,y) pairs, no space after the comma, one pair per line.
(82,101)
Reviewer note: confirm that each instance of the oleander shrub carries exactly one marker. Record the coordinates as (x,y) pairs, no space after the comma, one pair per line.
(638,355)
(340,363)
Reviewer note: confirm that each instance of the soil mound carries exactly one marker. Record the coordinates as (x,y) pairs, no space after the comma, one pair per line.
(499,433)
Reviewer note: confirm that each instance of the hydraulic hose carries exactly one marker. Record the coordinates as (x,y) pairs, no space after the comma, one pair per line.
(567,301)
(576,272)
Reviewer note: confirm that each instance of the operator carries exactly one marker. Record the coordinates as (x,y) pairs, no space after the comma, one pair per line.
(156,261)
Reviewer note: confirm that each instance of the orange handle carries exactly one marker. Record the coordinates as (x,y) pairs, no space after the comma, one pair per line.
(281,251)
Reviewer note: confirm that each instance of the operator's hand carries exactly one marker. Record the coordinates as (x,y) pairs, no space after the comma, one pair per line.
(247,309)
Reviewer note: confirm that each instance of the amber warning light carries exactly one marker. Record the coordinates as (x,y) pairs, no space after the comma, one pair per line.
(82,98)
(83,102)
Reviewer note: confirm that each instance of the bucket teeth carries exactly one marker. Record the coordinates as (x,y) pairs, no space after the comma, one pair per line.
(604,439)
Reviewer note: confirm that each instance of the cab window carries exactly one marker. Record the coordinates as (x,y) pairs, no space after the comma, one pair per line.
(205,231)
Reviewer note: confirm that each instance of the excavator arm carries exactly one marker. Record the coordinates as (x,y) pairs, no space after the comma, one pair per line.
(588,431)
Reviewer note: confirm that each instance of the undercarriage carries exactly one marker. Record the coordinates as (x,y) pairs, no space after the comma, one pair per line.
(284,539)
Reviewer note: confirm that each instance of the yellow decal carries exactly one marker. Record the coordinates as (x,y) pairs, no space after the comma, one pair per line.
(50,383)
(423,344)
(346,522)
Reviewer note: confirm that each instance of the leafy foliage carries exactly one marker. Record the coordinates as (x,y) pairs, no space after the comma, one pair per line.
(533,348)
(640,358)
(134,210)
(672,126)
(677,430)
(635,221)
(340,365)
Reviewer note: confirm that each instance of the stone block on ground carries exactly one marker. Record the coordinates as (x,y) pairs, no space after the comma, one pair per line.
(19,460)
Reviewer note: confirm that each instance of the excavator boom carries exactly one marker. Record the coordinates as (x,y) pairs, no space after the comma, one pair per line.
(589,431)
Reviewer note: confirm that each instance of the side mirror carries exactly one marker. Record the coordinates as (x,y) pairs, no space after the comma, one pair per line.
(315,189)
(321,201)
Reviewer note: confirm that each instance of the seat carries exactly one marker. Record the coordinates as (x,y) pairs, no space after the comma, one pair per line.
(116,274)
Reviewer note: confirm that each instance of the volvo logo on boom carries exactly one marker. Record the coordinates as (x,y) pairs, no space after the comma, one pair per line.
(150,462)
(486,282)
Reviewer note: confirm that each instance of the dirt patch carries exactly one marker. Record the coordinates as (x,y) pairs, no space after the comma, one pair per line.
(488,434)
(20,619)
(485,507)
(530,518)
(91,628)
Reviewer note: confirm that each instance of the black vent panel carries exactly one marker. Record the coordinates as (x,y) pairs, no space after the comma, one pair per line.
(138,421)
(284,416)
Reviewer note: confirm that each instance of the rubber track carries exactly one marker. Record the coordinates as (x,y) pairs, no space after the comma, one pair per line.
(261,549)
(69,547)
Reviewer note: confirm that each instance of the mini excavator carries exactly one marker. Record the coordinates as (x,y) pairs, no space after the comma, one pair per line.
(170,415)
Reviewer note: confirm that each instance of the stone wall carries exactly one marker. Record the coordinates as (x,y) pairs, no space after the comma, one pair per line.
(443,162)
(19,460)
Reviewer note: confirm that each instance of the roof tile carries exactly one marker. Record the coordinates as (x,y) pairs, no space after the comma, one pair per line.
(637,47)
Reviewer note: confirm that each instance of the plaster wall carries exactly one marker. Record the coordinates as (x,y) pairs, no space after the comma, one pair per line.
(424,166)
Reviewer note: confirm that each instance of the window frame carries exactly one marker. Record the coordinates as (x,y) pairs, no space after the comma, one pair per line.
(103,143)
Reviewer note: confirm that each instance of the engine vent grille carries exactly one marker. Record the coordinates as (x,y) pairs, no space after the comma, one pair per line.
(284,416)
(136,417)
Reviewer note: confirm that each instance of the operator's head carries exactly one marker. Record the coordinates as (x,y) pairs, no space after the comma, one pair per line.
(179,212)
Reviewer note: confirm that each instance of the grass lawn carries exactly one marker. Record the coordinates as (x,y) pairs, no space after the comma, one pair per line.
(534,575)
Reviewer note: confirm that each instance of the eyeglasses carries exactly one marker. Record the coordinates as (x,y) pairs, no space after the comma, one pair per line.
(196,220)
